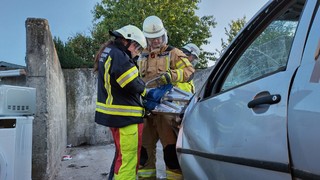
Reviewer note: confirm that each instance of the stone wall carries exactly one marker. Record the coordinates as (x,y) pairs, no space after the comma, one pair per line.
(50,121)
(81,102)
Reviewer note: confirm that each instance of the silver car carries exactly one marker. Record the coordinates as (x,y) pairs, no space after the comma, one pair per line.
(258,114)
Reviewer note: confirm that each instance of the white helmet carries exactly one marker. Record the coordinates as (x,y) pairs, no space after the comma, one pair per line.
(153,27)
(193,49)
(130,32)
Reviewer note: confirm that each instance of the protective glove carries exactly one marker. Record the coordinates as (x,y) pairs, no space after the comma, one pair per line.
(165,78)
(149,105)
(154,96)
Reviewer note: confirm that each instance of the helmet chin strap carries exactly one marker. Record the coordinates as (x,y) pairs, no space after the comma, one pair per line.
(128,44)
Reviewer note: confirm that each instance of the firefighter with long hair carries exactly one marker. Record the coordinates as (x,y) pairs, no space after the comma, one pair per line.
(119,105)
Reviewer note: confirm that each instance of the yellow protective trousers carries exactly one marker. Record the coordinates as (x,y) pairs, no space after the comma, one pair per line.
(128,141)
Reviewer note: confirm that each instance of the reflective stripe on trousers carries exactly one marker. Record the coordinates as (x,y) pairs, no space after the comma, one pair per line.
(171,175)
(147,173)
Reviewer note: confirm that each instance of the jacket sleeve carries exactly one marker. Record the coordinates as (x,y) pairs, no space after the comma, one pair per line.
(127,76)
(180,68)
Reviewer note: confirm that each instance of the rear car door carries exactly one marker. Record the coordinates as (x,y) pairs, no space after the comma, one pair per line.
(304,109)
(238,130)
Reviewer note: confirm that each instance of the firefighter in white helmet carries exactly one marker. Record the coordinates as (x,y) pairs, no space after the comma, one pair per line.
(118,99)
(171,64)
(193,52)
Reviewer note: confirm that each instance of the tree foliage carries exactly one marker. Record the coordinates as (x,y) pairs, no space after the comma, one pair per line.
(67,56)
(82,45)
(179,18)
(234,27)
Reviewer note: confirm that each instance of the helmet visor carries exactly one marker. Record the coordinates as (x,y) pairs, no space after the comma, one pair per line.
(158,42)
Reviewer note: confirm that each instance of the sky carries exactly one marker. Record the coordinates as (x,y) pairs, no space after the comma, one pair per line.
(68,17)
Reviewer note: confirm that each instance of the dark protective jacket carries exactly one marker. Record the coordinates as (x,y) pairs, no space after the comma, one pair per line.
(119,89)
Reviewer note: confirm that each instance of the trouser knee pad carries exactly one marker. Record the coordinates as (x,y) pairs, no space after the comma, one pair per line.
(143,156)
(170,157)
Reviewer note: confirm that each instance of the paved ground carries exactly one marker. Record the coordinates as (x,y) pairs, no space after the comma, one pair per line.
(93,163)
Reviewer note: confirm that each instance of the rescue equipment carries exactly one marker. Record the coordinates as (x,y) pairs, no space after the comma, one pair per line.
(166,99)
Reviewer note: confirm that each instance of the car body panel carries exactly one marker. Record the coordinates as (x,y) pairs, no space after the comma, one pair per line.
(262,142)
(304,111)
(221,134)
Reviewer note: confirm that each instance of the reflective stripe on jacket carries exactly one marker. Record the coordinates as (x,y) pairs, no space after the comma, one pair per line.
(187,86)
(119,89)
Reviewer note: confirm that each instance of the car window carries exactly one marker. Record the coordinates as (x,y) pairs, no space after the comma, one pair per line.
(267,54)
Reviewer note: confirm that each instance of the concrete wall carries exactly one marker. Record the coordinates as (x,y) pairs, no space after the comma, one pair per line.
(81,87)
(50,121)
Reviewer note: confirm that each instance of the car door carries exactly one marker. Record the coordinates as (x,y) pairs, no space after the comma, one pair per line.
(304,111)
(238,130)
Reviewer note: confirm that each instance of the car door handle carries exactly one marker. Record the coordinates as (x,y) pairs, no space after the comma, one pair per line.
(269,99)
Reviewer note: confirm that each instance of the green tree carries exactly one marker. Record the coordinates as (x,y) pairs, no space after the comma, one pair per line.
(179,18)
(82,46)
(234,27)
(67,57)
